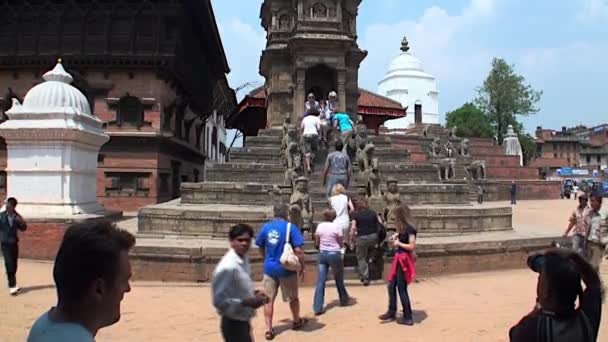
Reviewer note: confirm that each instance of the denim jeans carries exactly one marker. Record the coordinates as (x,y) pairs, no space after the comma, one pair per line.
(333,180)
(10,252)
(399,284)
(327,260)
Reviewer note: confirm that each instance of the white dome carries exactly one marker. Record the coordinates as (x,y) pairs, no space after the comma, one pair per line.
(408,83)
(55,93)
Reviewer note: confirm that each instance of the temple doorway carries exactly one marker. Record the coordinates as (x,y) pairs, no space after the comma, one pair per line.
(320,80)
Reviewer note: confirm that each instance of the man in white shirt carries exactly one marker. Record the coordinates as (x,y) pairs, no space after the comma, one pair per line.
(310,127)
(233,294)
(596,239)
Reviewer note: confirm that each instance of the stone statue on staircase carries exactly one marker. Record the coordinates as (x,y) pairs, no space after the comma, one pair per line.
(436,147)
(392,200)
(477,170)
(446,168)
(464,147)
(369,172)
(449,149)
(300,206)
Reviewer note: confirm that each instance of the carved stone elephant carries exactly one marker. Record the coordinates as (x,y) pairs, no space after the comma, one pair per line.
(477,169)
(445,168)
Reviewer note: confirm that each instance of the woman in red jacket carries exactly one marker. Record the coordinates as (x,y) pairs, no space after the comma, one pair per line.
(403,269)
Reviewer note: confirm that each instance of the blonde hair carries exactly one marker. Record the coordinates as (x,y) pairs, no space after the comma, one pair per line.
(338,189)
(403,215)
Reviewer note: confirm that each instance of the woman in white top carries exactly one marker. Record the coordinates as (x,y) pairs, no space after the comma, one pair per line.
(343,206)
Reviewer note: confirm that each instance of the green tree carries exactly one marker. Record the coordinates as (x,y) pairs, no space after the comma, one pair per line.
(504,95)
(470,122)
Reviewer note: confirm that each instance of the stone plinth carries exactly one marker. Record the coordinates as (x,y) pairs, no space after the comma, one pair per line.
(457,220)
(227,193)
(246,172)
(405,173)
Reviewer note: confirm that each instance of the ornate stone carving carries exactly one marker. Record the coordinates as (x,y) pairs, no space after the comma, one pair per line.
(425,131)
(477,169)
(319,10)
(436,147)
(449,149)
(285,22)
(445,168)
(300,206)
(332,12)
(392,199)
(369,173)
(464,147)
(452,133)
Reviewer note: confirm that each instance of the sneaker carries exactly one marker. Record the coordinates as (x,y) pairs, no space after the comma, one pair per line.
(405,321)
(14,290)
(389,316)
(366,282)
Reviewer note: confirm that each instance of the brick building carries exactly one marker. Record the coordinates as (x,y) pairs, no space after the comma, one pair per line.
(153,71)
(560,145)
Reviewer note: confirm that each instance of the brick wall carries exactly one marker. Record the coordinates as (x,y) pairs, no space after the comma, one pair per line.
(41,240)
(526,190)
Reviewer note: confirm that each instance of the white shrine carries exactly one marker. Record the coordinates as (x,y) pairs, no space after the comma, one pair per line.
(52,145)
(416,90)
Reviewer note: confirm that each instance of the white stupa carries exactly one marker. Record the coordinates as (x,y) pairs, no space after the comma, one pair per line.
(52,145)
(407,83)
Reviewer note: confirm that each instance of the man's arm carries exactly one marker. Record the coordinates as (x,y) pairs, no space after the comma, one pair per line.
(570,225)
(223,298)
(21,224)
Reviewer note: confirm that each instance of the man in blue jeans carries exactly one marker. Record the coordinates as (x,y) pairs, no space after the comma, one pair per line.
(271,241)
(338,167)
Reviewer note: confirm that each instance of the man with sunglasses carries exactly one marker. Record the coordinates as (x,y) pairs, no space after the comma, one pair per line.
(234,296)
(577,222)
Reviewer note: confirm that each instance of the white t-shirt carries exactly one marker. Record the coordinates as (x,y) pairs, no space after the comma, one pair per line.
(339,203)
(311,124)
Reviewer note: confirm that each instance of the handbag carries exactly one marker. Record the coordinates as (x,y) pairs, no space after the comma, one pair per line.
(289,260)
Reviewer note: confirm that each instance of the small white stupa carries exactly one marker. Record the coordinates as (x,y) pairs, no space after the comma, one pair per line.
(52,142)
(408,83)
(512,145)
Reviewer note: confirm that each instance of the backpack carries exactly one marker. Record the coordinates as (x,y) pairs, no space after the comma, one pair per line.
(289,260)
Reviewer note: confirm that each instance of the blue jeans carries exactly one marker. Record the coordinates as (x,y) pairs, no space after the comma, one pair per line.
(327,260)
(335,179)
(399,284)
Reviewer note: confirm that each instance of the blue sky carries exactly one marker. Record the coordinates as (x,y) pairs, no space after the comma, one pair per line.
(559,46)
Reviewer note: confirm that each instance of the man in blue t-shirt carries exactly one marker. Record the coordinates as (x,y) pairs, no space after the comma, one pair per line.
(271,241)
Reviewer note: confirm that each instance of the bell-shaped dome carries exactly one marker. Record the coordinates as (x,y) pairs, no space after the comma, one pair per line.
(405,61)
(55,93)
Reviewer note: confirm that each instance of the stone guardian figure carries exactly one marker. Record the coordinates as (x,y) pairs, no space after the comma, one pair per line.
(392,200)
(300,206)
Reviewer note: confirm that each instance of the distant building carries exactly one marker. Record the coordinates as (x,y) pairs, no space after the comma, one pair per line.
(153,71)
(562,145)
(416,90)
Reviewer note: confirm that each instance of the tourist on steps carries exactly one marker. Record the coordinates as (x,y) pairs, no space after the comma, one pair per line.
(577,221)
(233,294)
(311,106)
(364,231)
(345,125)
(403,269)
(91,273)
(338,168)
(309,128)
(329,240)
(10,223)
(271,241)
(343,206)
(555,316)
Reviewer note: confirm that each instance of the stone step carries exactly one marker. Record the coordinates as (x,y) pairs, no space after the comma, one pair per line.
(264,141)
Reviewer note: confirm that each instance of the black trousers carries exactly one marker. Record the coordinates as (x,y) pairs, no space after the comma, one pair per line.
(480,199)
(236,331)
(10,252)
(513,199)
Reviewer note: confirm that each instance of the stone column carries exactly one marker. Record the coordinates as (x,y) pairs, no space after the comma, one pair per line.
(299,96)
(342,90)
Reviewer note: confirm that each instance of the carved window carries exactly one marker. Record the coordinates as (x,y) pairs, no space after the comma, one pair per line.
(49,34)
(145,27)
(27,33)
(71,32)
(169,34)
(130,111)
(7,32)
(163,184)
(95,38)
(319,10)
(285,22)
(127,182)
(332,12)
(121,34)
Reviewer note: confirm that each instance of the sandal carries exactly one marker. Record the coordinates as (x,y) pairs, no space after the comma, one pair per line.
(269,335)
(299,324)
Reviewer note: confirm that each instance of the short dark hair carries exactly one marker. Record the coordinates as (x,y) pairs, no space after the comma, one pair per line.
(329,215)
(12,201)
(240,229)
(89,251)
(597,196)
(562,276)
(281,210)
(339,144)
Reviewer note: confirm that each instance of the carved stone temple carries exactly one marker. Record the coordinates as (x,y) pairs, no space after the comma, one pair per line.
(312,46)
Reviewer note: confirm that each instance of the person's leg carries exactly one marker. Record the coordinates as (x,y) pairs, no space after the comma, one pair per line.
(361,253)
(577,243)
(289,290)
(331,181)
(337,267)
(235,331)
(271,287)
(319,297)
(404,296)
(7,262)
(596,253)
(392,301)
(10,253)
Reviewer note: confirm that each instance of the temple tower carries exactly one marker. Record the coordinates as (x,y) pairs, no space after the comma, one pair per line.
(311,46)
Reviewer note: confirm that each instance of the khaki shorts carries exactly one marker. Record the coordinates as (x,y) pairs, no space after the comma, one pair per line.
(289,287)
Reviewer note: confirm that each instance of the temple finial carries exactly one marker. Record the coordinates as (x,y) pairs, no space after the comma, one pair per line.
(59,60)
(405,45)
